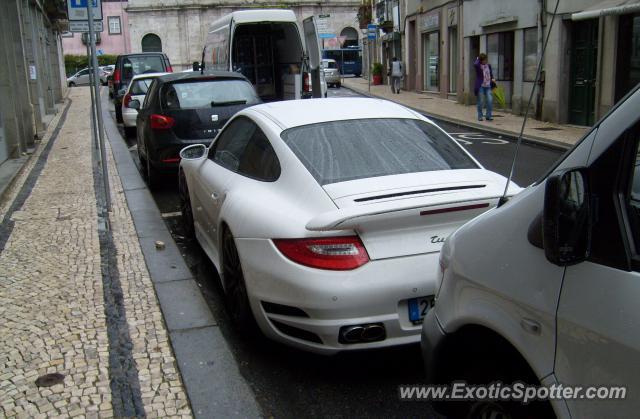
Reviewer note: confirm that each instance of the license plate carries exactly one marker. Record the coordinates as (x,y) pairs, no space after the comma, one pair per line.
(418,308)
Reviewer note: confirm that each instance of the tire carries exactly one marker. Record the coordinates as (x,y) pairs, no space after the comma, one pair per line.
(118,110)
(357,75)
(338,85)
(130,131)
(188,227)
(152,175)
(72,84)
(235,289)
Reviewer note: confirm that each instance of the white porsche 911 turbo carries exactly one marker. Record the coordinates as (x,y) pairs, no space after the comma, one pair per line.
(325,217)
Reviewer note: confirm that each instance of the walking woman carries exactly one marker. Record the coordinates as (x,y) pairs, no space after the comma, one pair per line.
(482,88)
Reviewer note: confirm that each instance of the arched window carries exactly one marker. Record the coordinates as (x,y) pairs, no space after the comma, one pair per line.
(352,36)
(151,43)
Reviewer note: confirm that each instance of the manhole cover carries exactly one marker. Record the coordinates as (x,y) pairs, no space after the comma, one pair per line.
(49,380)
(548,129)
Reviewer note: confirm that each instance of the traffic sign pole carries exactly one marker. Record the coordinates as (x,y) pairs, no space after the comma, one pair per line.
(98,104)
(94,132)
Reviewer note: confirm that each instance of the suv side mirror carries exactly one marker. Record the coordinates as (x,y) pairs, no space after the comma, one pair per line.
(193,152)
(567,217)
(196,66)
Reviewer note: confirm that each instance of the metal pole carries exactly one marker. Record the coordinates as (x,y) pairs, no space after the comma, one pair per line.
(96,78)
(94,133)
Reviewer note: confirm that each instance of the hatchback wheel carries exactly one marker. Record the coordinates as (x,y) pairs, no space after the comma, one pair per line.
(72,84)
(118,110)
(188,228)
(235,290)
(152,175)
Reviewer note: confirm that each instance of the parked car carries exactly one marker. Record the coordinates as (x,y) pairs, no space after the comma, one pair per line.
(545,288)
(324,224)
(129,65)
(136,90)
(108,69)
(82,78)
(182,109)
(331,73)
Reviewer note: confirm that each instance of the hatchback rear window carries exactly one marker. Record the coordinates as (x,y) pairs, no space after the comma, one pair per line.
(330,64)
(134,65)
(339,151)
(208,93)
(140,87)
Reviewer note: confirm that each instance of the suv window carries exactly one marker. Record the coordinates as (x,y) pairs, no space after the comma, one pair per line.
(141,64)
(200,94)
(243,148)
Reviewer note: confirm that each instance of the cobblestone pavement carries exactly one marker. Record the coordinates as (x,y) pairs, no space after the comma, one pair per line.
(74,301)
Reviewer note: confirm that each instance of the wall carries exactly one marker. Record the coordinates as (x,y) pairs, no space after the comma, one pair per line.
(182,25)
(111,44)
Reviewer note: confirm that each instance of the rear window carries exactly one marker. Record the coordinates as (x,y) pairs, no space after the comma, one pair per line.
(140,87)
(134,65)
(208,93)
(330,64)
(339,151)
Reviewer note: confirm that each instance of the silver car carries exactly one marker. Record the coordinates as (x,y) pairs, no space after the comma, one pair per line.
(331,72)
(81,78)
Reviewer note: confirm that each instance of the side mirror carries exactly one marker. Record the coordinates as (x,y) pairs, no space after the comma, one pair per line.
(134,104)
(567,217)
(196,66)
(193,152)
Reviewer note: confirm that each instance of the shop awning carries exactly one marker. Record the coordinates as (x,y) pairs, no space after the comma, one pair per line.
(608,8)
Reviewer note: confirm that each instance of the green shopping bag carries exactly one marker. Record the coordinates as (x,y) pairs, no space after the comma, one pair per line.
(498,96)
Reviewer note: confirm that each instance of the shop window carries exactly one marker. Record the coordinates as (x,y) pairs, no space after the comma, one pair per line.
(530,54)
(628,56)
(500,54)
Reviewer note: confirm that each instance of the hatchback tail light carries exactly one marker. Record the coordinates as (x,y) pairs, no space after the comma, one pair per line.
(307,82)
(333,253)
(126,100)
(161,121)
(169,69)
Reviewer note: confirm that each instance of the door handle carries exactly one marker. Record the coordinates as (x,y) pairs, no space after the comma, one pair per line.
(531,326)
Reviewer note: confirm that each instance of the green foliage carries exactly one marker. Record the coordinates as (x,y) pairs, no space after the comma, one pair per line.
(75,63)
(376,69)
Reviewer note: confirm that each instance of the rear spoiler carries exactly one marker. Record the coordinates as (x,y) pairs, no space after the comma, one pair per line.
(350,218)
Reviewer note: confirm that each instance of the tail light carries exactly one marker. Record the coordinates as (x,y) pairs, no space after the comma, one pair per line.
(161,121)
(307,82)
(116,76)
(126,100)
(169,69)
(332,253)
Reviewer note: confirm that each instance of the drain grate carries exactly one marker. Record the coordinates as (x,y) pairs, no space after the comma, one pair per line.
(49,380)
(548,129)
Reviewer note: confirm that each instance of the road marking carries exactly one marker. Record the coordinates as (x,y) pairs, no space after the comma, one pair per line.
(469,138)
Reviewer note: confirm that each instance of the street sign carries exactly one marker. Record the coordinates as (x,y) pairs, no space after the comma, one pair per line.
(322,25)
(83,26)
(99,52)
(372,31)
(77,9)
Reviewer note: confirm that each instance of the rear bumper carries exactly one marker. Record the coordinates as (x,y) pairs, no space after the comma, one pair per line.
(129,117)
(164,152)
(332,79)
(375,293)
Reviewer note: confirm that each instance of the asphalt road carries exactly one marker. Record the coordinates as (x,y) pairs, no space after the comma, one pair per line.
(291,383)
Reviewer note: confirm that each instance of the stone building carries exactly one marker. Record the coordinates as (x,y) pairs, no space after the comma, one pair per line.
(179,27)
(31,75)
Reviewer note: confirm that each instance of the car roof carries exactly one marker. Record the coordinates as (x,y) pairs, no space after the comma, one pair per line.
(147,75)
(141,53)
(294,113)
(171,77)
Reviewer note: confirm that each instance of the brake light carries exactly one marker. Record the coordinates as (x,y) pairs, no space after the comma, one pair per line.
(169,69)
(161,121)
(126,100)
(332,253)
(116,76)
(307,82)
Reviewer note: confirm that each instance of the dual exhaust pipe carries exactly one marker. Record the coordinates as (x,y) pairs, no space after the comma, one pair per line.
(363,333)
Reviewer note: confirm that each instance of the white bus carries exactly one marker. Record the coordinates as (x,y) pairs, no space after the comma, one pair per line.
(266,46)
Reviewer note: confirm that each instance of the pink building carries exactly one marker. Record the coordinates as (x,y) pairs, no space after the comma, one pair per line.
(115,37)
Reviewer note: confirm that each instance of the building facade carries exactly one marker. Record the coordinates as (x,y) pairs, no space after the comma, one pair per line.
(32,74)
(114,39)
(179,27)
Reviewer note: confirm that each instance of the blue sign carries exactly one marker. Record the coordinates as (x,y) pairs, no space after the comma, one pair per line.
(372,31)
(327,35)
(76,4)
(99,52)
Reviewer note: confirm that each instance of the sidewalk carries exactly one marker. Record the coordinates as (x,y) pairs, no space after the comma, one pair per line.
(82,331)
(504,123)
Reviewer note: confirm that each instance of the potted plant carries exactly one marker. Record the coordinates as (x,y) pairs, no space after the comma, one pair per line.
(376,72)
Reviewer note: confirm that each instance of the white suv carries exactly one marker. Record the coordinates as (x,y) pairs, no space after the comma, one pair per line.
(546,288)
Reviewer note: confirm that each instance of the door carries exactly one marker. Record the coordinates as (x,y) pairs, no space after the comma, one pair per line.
(83,77)
(213,176)
(598,314)
(411,77)
(474,52)
(582,88)
(431,64)
(453,59)
(312,42)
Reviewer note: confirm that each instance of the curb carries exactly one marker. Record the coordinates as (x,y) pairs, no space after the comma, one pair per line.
(510,134)
(209,371)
